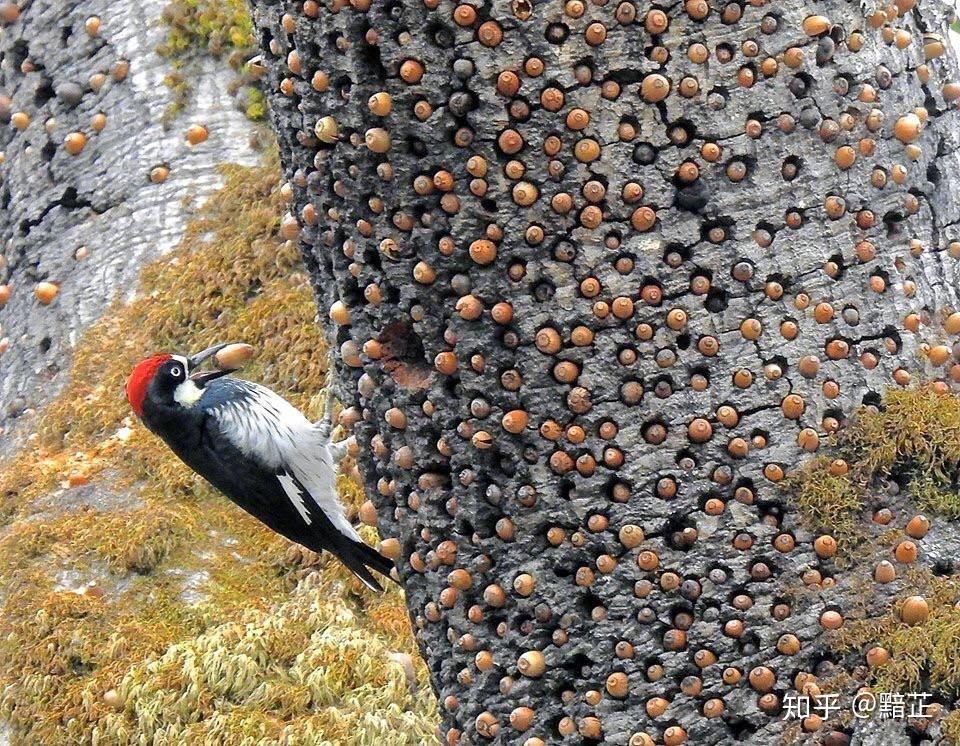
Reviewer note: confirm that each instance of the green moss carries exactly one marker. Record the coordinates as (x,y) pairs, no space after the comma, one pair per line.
(925,656)
(918,429)
(220,28)
(217,27)
(192,615)
(951,727)
(257,676)
(935,496)
(180,92)
(914,435)
(826,500)
(256,105)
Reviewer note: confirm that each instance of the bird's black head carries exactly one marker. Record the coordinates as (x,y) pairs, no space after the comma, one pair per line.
(168,380)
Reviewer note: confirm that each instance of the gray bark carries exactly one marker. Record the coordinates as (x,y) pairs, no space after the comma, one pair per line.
(102,200)
(452,481)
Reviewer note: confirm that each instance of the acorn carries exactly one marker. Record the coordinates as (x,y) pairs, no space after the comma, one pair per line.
(396,418)
(368,514)
(340,313)
(618,685)
(655,87)
(933,46)
(233,356)
(762,679)
(816,25)
(885,572)
(197,134)
(112,699)
(831,620)
(9,12)
(906,552)
(390,548)
(411,71)
(532,664)
(825,546)
(327,130)
(877,656)
(377,139)
(907,128)
(74,143)
(515,421)
(45,292)
(521,718)
(119,70)
(914,610)
(674,736)
(159,174)
(918,526)
(380,104)
(20,120)
(631,536)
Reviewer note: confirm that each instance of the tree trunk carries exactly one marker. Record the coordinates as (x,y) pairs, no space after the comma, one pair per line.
(600,274)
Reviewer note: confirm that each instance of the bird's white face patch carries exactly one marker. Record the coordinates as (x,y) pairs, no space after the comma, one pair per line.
(187,393)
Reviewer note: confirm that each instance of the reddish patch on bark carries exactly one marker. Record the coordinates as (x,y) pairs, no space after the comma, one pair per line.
(402,357)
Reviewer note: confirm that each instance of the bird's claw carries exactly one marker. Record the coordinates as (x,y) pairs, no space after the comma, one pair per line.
(343,448)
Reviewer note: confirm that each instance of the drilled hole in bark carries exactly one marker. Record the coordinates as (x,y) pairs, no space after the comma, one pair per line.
(403,356)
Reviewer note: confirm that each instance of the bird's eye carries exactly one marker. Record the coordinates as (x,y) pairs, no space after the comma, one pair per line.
(175,371)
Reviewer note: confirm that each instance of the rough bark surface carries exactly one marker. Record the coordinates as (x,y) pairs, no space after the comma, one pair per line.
(588,325)
(100,202)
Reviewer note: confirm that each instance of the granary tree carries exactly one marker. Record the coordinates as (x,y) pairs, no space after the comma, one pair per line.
(604,281)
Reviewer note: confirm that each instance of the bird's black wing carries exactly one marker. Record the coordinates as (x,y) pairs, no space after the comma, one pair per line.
(276,498)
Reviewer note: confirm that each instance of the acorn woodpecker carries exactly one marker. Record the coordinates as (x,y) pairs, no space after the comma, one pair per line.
(257,449)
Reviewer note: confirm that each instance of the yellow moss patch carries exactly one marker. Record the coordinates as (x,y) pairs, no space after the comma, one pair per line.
(915,436)
(221,28)
(926,653)
(951,727)
(216,26)
(137,604)
(825,500)
(919,428)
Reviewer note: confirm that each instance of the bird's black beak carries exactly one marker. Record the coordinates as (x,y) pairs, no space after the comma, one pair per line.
(200,377)
(197,359)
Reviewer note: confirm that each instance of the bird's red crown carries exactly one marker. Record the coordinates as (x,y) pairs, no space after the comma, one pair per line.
(139,380)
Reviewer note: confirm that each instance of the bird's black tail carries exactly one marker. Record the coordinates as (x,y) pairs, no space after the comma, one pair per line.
(360,558)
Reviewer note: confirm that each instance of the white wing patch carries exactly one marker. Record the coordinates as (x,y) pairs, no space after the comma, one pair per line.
(265,426)
(296,496)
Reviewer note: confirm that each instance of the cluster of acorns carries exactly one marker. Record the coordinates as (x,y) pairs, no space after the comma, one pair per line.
(601,273)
